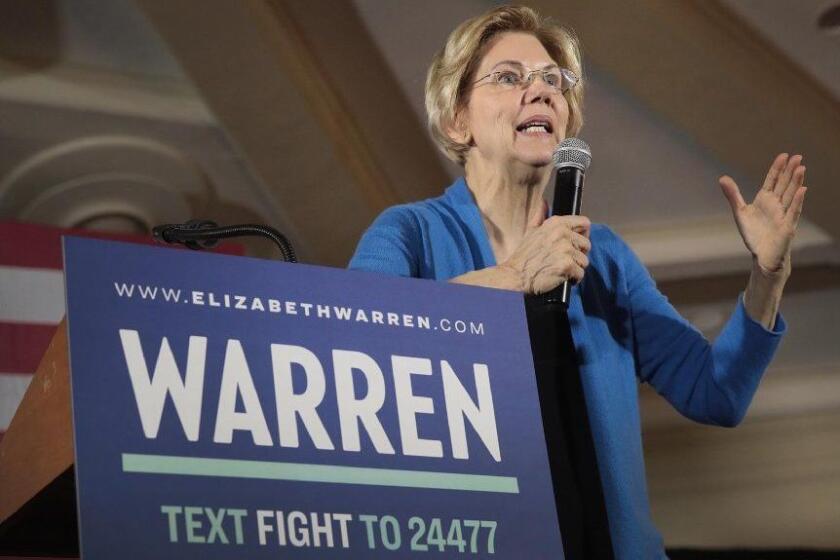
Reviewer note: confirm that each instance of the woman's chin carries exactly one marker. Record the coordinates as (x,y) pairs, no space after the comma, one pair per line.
(536,153)
(539,158)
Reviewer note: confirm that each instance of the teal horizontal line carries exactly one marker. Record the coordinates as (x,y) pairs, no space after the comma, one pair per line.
(302,472)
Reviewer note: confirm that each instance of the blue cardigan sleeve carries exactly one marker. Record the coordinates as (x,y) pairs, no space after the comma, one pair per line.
(710,383)
(390,244)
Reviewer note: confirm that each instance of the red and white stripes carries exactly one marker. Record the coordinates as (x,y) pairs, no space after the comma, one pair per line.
(32,301)
(31,305)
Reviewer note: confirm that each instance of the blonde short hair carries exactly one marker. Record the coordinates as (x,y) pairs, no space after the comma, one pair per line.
(453,68)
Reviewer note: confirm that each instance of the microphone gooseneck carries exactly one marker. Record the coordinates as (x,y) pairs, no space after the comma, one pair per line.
(205,234)
(572,158)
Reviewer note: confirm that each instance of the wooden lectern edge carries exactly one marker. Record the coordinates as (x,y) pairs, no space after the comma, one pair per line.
(38,446)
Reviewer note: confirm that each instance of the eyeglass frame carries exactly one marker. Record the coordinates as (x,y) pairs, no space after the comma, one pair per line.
(566,75)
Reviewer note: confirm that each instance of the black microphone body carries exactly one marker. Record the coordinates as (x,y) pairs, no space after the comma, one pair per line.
(578,492)
(568,192)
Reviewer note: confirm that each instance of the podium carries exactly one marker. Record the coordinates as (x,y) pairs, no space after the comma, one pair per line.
(37,486)
(38,509)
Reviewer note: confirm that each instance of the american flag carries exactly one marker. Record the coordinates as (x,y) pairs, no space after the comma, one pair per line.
(32,301)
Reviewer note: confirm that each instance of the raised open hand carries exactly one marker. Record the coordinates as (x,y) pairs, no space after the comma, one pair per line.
(768,224)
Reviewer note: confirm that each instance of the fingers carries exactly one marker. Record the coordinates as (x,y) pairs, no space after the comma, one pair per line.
(784,180)
(554,251)
(732,193)
(581,243)
(773,173)
(797,203)
(581,260)
(570,258)
(580,224)
(552,277)
(570,268)
(574,273)
(793,187)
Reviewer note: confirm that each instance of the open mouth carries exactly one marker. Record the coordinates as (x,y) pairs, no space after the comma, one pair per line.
(535,126)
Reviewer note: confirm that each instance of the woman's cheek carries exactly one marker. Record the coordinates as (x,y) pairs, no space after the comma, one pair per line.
(503,126)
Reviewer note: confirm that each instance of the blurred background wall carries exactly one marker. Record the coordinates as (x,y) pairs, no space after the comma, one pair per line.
(118,115)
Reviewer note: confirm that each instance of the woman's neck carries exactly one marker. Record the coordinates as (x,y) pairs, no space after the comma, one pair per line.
(507,199)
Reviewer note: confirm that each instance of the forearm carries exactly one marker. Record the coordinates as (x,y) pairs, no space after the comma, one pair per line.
(764,293)
(500,277)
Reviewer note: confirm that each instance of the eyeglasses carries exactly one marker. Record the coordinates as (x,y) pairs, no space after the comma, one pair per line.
(560,80)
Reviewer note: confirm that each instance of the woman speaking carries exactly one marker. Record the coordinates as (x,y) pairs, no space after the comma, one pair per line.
(502,93)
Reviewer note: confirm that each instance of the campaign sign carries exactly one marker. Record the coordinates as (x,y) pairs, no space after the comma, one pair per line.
(227,407)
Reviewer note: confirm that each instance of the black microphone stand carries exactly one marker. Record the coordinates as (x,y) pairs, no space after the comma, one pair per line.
(205,234)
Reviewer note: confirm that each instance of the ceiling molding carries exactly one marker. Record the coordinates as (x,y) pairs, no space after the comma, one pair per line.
(84,89)
(106,176)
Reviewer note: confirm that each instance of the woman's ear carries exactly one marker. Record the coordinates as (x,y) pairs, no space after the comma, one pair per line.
(458,129)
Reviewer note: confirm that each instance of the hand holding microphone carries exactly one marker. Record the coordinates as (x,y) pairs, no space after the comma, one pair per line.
(553,253)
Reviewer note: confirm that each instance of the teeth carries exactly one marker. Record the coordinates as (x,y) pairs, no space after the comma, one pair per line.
(535,128)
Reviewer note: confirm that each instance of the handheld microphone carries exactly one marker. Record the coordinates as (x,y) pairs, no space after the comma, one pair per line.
(571,160)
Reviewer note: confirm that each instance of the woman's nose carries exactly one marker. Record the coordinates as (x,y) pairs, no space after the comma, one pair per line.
(538,90)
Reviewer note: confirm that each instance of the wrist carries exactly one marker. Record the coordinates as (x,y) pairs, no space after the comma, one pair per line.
(768,276)
(764,292)
(512,277)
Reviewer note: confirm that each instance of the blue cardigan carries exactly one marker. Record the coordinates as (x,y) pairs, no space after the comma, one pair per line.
(624,331)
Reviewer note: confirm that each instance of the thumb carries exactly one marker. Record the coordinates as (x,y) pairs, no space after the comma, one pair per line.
(732,193)
(536,219)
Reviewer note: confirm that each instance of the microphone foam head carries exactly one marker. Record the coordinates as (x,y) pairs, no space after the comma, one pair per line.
(572,152)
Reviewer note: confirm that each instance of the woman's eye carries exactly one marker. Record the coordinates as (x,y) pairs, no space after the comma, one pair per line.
(554,80)
(508,78)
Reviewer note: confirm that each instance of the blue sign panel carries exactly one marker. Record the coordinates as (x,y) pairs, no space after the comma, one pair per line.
(238,408)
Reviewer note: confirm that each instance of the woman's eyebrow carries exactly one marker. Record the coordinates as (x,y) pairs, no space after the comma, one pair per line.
(520,65)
